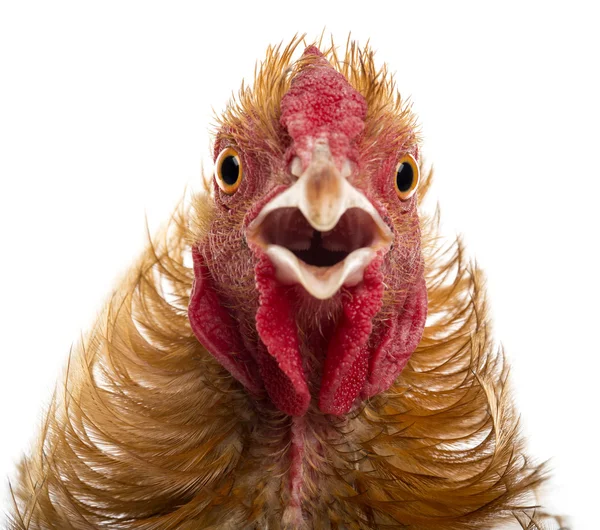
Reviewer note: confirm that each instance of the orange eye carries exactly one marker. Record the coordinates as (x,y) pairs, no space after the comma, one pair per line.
(229,170)
(406,178)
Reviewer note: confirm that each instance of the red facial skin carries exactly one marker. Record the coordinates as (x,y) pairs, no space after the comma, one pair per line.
(277,337)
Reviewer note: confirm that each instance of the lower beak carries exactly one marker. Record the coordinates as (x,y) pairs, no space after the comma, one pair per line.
(321,232)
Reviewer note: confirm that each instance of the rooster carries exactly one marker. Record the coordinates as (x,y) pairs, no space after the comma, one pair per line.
(266,364)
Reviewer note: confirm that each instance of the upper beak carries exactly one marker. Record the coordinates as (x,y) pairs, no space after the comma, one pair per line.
(320,191)
(341,220)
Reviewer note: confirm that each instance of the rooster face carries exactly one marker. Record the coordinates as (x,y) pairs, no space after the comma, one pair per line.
(309,279)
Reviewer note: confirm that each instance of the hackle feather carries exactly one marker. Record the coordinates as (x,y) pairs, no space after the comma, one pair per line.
(148,431)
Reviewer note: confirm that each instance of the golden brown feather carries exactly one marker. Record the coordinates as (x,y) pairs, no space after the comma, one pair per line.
(150,432)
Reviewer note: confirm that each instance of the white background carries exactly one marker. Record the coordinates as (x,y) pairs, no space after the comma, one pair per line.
(104,111)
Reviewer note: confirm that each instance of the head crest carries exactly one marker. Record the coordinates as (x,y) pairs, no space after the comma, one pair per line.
(321,103)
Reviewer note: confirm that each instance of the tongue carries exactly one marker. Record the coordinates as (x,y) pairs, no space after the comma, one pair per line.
(217,331)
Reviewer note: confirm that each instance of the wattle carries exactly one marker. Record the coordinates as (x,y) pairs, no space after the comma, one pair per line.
(359,362)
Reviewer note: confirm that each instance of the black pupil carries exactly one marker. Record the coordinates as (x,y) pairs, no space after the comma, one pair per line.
(404,177)
(230,170)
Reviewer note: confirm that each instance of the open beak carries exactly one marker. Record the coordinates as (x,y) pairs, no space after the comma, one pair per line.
(321,232)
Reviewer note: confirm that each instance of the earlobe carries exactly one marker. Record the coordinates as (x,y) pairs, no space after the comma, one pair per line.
(398,342)
(216,330)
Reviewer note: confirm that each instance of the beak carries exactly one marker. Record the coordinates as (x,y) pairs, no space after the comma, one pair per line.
(321,191)
(321,232)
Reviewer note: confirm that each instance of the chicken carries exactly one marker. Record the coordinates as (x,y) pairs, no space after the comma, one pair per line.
(267,362)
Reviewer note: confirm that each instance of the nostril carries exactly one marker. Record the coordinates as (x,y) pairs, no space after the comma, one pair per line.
(296,167)
(346,169)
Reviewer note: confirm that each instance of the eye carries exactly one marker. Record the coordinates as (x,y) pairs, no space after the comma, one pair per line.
(229,170)
(406,177)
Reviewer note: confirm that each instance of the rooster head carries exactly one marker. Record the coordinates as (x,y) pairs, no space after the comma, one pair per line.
(309,285)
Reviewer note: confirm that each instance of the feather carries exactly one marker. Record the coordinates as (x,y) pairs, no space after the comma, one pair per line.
(148,430)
